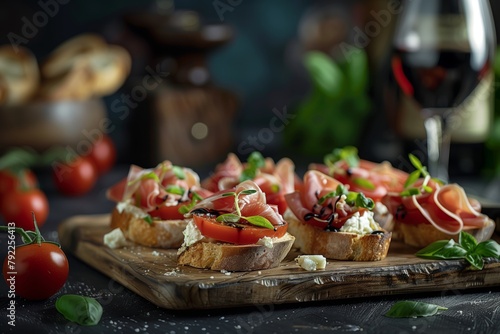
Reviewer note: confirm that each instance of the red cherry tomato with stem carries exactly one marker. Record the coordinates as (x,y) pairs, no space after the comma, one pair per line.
(41,268)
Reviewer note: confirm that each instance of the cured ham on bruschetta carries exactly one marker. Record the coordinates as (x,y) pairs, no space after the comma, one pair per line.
(329,220)
(427,210)
(274,179)
(235,230)
(151,204)
(374,180)
(415,207)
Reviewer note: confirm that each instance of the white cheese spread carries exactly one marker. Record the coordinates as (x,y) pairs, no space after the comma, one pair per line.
(191,235)
(311,262)
(132,209)
(266,241)
(364,224)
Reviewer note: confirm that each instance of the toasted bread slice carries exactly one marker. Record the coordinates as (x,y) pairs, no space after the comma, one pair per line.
(158,234)
(210,254)
(422,235)
(338,245)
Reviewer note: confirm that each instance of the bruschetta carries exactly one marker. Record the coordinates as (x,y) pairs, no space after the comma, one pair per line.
(327,219)
(151,204)
(235,230)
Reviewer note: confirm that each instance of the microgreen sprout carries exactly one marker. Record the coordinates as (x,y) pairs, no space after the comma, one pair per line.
(420,171)
(235,217)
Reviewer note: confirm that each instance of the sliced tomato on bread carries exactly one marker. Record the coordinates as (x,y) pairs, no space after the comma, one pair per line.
(242,235)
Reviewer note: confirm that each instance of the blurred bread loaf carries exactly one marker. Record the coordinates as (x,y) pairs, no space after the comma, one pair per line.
(19,75)
(81,68)
(84,67)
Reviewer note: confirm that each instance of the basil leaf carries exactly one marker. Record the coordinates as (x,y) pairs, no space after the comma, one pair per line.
(475,260)
(488,248)
(228,218)
(175,189)
(323,198)
(442,249)
(364,202)
(84,311)
(256,159)
(148,219)
(259,221)
(341,190)
(412,309)
(349,154)
(467,241)
(254,162)
(179,172)
(364,183)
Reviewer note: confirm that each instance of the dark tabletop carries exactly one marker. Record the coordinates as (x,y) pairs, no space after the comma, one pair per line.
(475,310)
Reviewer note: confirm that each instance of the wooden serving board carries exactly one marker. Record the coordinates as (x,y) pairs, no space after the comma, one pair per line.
(155,275)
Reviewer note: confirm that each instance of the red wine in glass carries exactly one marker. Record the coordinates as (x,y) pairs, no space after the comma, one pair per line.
(442,51)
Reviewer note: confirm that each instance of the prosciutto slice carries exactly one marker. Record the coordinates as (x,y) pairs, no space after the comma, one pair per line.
(249,204)
(447,208)
(274,179)
(147,187)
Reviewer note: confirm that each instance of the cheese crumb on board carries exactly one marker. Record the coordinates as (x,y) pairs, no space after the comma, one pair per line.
(311,262)
(115,239)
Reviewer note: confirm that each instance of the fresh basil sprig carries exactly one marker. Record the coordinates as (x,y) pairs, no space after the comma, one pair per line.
(82,310)
(412,309)
(254,162)
(235,217)
(352,198)
(467,248)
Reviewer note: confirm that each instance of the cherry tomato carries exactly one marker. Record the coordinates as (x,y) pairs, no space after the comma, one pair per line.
(103,154)
(41,269)
(10,181)
(18,206)
(75,178)
(168,212)
(210,228)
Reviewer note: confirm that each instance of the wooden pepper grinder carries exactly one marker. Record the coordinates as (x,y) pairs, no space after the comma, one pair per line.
(187,119)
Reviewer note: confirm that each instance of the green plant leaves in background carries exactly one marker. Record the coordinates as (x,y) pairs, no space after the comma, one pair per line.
(325,74)
(334,113)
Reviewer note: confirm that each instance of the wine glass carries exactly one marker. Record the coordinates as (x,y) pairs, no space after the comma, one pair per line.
(442,50)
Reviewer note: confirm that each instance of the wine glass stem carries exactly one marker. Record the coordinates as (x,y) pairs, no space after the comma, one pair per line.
(438,147)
